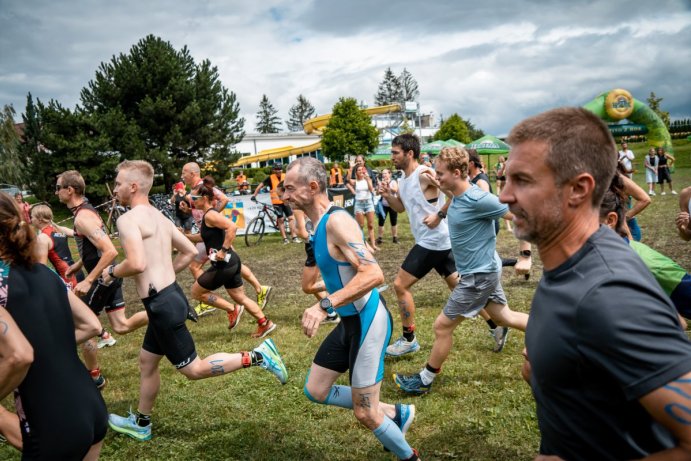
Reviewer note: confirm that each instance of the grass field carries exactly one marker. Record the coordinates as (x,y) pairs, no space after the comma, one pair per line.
(479,408)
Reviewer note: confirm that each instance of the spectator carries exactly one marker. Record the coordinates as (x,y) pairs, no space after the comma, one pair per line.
(336,176)
(387,180)
(682,220)
(651,163)
(665,161)
(626,158)
(24,207)
(364,203)
(183,214)
(499,171)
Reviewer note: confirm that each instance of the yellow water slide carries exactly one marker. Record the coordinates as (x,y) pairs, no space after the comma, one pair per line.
(312,126)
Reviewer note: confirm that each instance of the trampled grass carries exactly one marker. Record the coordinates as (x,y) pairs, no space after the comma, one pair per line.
(479,407)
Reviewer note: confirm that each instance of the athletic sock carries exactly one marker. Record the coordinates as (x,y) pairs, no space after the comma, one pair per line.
(340,396)
(491,324)
(409,333)
(390,435)
(428,374)
(262,321)
(142,419)
(102,333)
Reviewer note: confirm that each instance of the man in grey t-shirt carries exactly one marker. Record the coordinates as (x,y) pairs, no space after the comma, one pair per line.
(611,368)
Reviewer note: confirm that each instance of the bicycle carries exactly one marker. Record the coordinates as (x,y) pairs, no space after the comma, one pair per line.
(255,229)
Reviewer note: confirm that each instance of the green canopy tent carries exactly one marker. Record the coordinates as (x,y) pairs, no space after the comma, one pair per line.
(383,152)
(454,143)
(489,145)
(433,147)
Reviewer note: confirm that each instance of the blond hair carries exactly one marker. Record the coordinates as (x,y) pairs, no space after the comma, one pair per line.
(42,212)
(138,171)
(455,158)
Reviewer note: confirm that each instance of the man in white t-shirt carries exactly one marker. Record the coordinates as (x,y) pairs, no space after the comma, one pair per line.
(625,158)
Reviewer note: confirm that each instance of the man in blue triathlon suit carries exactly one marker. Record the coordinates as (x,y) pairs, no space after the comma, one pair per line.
(357,344)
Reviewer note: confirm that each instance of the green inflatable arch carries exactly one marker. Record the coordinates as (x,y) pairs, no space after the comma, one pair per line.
(618,104)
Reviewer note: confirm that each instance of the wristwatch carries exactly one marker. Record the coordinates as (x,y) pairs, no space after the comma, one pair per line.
(526,253)
(226,250)
(111,270)
(326,306)
(441,214)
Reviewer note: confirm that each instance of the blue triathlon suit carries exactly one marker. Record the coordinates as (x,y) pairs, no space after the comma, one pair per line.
(359,341)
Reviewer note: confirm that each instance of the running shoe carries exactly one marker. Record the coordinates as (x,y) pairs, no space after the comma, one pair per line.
(106,340)
(500,335)
(405,414)
(272,360)
(395,240)
(331,320)
(663,193)
(2,439)
(402,346)
(234,317)
(203,309)
(297,240)
(129,426)
(379,241)
(286,241)
(674,192)
(263,296)
(263,330)
(411,384)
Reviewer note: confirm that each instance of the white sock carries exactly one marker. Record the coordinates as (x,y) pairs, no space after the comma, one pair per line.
(427,376)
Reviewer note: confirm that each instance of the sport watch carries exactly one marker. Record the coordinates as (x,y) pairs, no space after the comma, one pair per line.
(441,214)
(326,306)
(111,270)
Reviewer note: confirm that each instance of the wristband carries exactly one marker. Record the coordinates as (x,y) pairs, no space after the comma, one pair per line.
(111,270)
(226,250)
(441,214)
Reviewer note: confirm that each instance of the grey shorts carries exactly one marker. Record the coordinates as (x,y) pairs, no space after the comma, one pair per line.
(472,294)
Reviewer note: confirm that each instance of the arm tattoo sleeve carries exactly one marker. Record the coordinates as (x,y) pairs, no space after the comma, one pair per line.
(361,252)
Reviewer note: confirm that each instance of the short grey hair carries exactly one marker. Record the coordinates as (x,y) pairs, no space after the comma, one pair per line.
(310,169)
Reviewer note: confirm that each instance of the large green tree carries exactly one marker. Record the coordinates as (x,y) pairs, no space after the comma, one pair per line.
(267,120)
(156,103)
(349,132)
(12,166)
(303,110)
(453,127)
(389,90)
(654,104)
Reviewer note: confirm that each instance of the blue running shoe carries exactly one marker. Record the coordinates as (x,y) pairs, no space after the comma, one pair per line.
(272,361)
(411,384)
(129,426)
(405,414)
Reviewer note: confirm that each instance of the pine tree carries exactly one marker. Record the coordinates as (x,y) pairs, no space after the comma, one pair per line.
(654,104)
(11,164)
(389,91)
(409,88)
(299,113)
(267,120)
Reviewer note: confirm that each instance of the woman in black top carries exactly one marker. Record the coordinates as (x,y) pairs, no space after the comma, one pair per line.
(218,232)
(61,413)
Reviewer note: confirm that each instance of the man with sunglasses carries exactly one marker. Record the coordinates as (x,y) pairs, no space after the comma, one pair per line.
(96,252)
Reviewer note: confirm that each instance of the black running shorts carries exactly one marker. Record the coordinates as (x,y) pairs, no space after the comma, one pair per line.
(167,333)
(420,261)
(222,274)
(105,296)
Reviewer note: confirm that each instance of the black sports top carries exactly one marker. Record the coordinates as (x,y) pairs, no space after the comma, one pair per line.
(213,237)
(87,251)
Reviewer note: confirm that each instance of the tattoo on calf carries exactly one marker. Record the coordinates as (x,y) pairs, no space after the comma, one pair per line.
(364,401)
(217,369)
(211,298)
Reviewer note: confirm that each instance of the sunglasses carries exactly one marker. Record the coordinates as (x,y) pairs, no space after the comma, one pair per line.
(59,186)
(195,197)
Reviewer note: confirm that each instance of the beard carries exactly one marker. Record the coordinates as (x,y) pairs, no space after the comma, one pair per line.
(538,227)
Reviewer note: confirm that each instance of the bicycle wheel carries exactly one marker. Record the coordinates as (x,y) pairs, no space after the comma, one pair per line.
(254,232)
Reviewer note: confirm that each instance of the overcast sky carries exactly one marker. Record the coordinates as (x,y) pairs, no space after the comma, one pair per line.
(493,61)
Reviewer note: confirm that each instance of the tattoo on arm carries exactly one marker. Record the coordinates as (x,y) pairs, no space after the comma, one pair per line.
(4,327)
(216,368)
(361,252)
(681,413)
(97,234)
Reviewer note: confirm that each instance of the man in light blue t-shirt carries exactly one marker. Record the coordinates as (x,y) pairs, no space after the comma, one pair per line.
(471,217)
